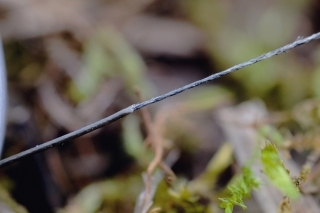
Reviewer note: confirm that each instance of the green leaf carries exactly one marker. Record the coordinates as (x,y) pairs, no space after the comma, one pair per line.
(276,172)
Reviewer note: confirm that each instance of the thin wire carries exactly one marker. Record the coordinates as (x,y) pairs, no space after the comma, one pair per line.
(283,49)
(134,107)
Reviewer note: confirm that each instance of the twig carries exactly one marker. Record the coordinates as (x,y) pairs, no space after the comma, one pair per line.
(155,134)
(137,106)
(143,205)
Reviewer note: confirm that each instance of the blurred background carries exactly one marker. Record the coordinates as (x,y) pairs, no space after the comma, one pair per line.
(71,63)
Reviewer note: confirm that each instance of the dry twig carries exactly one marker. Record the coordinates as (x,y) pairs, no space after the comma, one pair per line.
(155,138)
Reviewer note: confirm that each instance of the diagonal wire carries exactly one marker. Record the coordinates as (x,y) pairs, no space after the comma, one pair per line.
(134,107)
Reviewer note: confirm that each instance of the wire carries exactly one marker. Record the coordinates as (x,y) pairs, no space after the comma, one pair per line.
(134,107)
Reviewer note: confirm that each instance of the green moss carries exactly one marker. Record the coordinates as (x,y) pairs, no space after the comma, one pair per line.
(240,189)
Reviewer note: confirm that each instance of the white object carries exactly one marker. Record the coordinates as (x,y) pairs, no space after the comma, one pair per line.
(3,97)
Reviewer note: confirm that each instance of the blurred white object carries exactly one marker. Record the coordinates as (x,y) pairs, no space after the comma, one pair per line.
(3,98)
